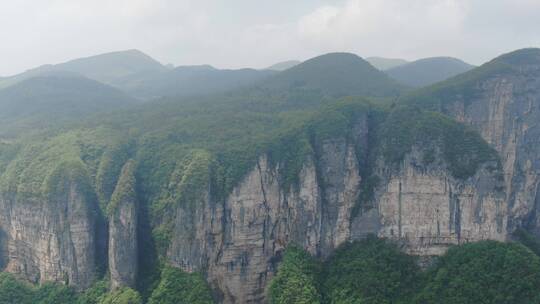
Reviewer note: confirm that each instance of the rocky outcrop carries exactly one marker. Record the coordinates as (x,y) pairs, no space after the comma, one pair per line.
(51,239)
(123,218)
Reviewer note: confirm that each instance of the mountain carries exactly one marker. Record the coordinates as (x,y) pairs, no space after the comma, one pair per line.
(427,71)
(336,74)
(191,81)
(384,64)
(252,196)
(282,66)
(110,68)
(38,102)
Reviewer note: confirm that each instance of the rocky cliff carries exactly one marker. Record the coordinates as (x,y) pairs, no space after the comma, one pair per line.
(123,218)
(52,238)
(501,101)
(238,241)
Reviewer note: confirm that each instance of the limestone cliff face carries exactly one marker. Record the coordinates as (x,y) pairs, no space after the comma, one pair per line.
(506,112)
(50,239)
(427,209)
(238,241)
(123,217)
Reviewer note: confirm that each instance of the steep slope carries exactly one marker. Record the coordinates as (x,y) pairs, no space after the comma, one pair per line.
(427,71)
(282,66)
(500,100)
(40,102)
(109,68)
(336,74)
(384,64)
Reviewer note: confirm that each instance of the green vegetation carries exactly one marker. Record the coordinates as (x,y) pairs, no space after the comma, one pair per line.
(178,287)
(484,272)
(427,71)
(462,149)
(371,271)
(466,87)
(125,190)
(121,296)
(376,271)
(337,75)
(296,280)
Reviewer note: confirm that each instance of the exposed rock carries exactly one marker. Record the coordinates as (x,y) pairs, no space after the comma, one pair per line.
(51,239)
(427,209)
(506,110)
(123,217)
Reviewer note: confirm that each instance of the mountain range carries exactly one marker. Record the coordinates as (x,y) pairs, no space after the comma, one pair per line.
(322,181)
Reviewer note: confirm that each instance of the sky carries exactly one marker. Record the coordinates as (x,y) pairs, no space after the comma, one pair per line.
(257,33)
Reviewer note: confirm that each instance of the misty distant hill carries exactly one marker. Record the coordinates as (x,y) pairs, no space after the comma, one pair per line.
(191,81)
(39,102)
(336,74)
(110,68)
(427,71)
(384,64)
(142,77)
(285,65)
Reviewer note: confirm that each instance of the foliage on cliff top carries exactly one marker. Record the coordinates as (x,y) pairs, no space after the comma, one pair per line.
(463,149)
(125,189)
(179,287)
(296,280)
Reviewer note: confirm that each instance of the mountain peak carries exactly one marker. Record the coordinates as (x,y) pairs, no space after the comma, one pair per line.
(336,74)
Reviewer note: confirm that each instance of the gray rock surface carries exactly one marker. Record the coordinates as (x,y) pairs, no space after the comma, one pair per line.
(123,217)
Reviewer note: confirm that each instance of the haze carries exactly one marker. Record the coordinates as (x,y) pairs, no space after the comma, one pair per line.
(247,33)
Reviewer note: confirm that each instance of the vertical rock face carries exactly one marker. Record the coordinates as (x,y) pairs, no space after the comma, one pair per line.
(51,239)
(506,112)
(238,242)
(123,216)
(427,209)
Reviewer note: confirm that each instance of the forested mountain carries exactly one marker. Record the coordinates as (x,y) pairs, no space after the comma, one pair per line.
(110,68)
(428,71)
(324,183)
(336,74)
(191,81)
(40,102)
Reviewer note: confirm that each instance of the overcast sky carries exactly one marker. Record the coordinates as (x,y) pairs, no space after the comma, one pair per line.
(257,33)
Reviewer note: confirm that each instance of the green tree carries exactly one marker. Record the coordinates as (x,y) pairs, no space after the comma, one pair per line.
(296,279)
(484,272)
(13,291)
(179,287)
(121,296)
(370,271)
